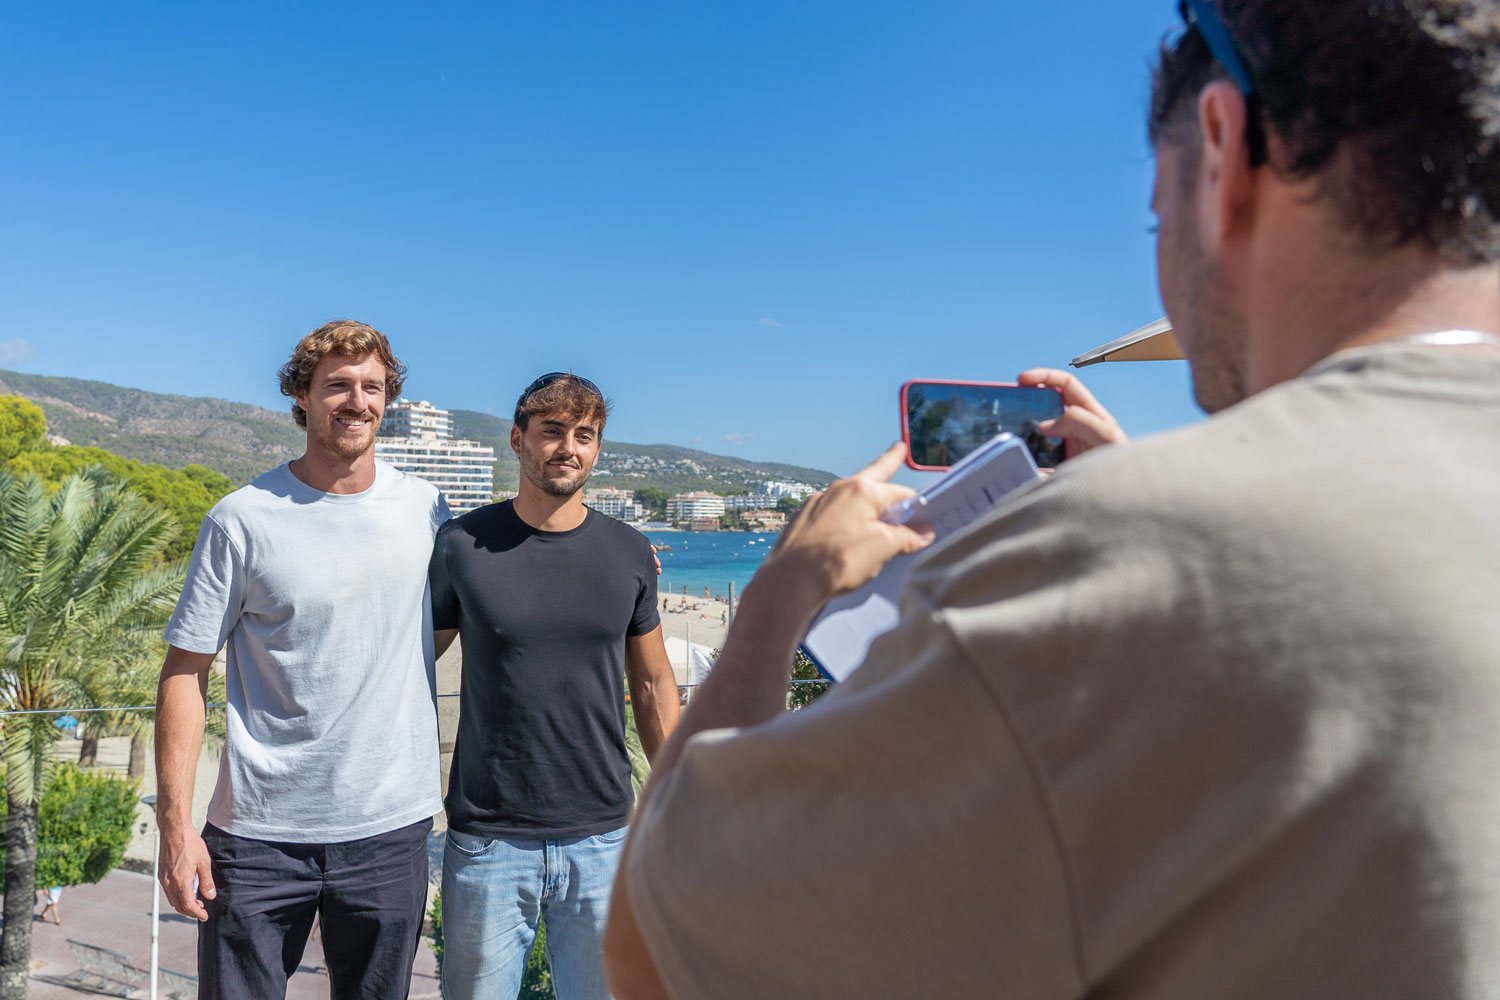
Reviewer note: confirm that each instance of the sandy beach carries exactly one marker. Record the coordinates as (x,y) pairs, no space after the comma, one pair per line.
(702,615)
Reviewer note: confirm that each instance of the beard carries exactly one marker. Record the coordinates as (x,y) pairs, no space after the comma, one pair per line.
(344,445)
(1216,357)
(537,475)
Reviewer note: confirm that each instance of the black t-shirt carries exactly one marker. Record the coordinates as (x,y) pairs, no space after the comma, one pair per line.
(543,616)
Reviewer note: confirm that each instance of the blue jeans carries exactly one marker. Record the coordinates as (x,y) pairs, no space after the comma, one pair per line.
(494,891)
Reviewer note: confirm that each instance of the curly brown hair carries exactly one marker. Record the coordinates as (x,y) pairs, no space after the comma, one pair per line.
(1392,105)
(345,338)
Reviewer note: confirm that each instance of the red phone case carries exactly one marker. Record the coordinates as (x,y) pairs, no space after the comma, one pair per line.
(906,430)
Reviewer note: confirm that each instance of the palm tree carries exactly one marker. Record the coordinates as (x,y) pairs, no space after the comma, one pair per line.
(81,581)
(99,686)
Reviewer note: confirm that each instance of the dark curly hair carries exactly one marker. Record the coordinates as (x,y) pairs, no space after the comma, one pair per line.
(345,338)
(1393,105)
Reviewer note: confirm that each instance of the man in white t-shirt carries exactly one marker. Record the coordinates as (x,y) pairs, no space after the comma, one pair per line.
(315,578)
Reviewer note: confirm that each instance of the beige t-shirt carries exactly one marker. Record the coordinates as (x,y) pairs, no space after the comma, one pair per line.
(1215,715)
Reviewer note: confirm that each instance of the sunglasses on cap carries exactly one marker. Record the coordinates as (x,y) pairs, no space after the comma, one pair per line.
(1201,16)
(542,381)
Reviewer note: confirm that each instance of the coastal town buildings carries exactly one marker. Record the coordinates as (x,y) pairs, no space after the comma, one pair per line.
(615,503)
(798,491)
(417,437)
(751,501)
(688,507)
(765,520)
(420,419)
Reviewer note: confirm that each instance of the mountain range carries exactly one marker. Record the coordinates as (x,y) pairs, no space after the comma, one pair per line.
(242,441)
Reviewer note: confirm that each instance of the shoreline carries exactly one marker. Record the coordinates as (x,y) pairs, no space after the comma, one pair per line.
(704,617)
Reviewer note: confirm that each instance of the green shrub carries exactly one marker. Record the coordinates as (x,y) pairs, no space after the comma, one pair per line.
(435,914)
(84,823)
(537,985)
(83,826)
(802,695)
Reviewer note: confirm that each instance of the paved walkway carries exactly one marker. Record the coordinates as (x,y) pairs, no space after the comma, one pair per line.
(116,914)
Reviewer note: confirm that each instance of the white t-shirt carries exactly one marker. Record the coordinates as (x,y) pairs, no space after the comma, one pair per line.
(323,601)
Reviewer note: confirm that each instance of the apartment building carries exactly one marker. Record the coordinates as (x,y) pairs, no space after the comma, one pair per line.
(687,507)
(615,503)
(417,437)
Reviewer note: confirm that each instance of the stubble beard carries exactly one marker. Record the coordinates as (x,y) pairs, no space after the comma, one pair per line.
(1217,355)
(536,474)
(1211,333)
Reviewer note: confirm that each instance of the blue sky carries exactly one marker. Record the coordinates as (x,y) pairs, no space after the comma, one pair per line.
(749,222)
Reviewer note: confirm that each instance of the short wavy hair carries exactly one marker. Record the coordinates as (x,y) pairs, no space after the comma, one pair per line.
(1392,105)
(345,338)
(566,396)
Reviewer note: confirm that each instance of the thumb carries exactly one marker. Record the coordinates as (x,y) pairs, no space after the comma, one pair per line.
(206,879)
(913,537)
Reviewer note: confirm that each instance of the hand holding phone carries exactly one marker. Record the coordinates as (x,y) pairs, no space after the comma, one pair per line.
(943,421)
(1085,423)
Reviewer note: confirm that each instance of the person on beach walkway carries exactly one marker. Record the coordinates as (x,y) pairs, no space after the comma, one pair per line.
(315,577)
(53,899)
(555,605)
(1210,715)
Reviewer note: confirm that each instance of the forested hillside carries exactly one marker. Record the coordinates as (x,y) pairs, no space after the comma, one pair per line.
(237,439)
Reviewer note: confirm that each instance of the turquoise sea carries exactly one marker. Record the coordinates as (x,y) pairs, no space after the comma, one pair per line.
(710,559)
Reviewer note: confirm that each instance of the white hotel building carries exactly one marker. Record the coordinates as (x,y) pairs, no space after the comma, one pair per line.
(690,506)
(615,503)
(417,437)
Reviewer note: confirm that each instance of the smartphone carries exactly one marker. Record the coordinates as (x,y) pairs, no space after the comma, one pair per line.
(942,421)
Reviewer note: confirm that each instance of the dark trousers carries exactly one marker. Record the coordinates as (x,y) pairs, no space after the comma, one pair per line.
(368,892)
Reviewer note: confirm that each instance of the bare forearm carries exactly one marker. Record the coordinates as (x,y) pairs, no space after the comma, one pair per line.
(656,713)
(181,703)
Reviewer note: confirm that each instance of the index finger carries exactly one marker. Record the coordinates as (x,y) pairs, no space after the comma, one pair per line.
(885,466)
(1074,392)
(185,903)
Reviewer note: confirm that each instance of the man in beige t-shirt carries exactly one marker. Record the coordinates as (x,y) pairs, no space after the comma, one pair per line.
(1217,715)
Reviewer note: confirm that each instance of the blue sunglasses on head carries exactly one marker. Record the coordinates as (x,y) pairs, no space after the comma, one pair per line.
(1200,16)
(542,381)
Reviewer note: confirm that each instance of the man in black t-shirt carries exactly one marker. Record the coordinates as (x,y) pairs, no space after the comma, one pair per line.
(554,604)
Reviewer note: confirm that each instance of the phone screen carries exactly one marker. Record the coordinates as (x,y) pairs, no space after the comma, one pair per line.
(944,421)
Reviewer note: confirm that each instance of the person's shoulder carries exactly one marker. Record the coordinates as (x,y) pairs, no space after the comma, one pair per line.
(618,532)
(479,522)
(1251,442)
(399,480)
(1120,497)
(269,490)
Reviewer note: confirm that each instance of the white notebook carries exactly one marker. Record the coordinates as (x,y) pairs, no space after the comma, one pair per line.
(842,632)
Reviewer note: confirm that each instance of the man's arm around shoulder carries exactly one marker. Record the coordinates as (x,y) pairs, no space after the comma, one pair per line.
(181,705)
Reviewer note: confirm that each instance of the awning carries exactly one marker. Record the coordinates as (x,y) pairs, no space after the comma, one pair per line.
(1153,342)
(691,662)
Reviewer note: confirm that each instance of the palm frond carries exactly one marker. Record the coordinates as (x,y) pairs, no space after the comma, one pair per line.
(83,600)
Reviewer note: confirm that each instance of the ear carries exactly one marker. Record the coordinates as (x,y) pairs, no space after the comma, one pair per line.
(515,439)
(1226,180)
